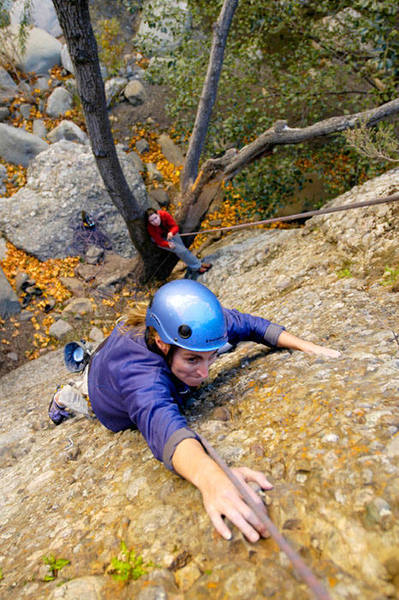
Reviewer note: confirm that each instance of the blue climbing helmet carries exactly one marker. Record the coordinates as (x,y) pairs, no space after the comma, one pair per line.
(186,314)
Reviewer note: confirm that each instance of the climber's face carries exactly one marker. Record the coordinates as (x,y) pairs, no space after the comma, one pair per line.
(154,219)
(191,367)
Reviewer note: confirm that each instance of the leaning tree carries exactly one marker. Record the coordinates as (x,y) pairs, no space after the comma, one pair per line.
(199,182)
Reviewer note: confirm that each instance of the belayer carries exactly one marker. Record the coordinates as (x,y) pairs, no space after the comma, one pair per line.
(164,232)
(143,372)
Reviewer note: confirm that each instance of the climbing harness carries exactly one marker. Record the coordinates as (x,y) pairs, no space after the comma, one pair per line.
(319,591)
(304,215)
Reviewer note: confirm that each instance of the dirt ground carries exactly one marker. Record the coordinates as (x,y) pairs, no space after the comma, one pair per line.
(127,117)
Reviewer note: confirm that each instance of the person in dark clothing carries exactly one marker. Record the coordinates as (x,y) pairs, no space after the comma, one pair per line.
(164,232)
(144,371)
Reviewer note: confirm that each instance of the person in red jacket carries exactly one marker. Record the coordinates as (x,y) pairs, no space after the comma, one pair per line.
(164,232)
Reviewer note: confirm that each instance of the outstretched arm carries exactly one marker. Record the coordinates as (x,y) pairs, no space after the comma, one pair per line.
(288,340)
(219,495)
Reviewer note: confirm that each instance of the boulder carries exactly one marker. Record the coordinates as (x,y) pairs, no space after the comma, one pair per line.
(154,174)
(39,128)
(41,84)
(18,146)
(135,93)
(43,217)
(96,335)
(59,101)
(170,150)
(162,26)
(73,285)
(24,110)
(60,329)
(9,304)
(6,81)
(3,175)
(142,146)
(8,89)
(41,14)
(78,306)
(136,160)
(66,59)
(42,51)
(159,196)
(3,248)
(68,130)
(4,113)
(114,270)
(113,87)
(336,503)
(94,255)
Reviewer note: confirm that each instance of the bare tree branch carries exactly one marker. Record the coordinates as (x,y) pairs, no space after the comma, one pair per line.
(208,95)
(198,198)
(280,134)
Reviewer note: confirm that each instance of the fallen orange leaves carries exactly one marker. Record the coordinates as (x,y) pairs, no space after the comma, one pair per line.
(46,274)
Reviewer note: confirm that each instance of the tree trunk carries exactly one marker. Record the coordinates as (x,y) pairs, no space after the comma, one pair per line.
(74,18)
(208,95)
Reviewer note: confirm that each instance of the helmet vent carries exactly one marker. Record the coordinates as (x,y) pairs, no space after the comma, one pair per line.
(184,331)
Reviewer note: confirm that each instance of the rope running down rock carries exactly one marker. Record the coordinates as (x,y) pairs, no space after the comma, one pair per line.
(310,213)
(319,591)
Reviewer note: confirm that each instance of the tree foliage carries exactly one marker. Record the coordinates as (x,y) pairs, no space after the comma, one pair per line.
(301,61)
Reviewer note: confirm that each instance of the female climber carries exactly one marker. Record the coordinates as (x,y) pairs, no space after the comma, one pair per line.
(164,232)
(144,370)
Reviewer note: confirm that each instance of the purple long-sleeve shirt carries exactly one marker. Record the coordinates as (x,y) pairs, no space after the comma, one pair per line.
(131,386)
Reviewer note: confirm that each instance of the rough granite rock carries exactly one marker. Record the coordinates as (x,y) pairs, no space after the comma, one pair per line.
(68,130)
(62,181)
(324,431)
(9,304)
(42,50)
(18,146)
(59,101)
(41,14)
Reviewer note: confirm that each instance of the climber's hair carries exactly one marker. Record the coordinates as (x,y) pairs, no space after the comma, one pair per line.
(135,318)
(148,213)
(134,323)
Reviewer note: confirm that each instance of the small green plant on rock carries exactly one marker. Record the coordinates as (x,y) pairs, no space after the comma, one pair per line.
(127,565)
(344,272)
(54,565)
(390,277)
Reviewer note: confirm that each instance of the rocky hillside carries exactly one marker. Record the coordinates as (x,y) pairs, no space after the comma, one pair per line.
(324,431)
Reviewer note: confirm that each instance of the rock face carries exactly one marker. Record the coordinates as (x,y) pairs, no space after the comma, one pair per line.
(62,182)
(324,431)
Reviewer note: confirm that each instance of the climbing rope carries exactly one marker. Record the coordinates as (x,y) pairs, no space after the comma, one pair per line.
(319,591)
(310,213)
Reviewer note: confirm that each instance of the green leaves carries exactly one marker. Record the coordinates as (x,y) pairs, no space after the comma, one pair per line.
(55,565)
(127,565)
